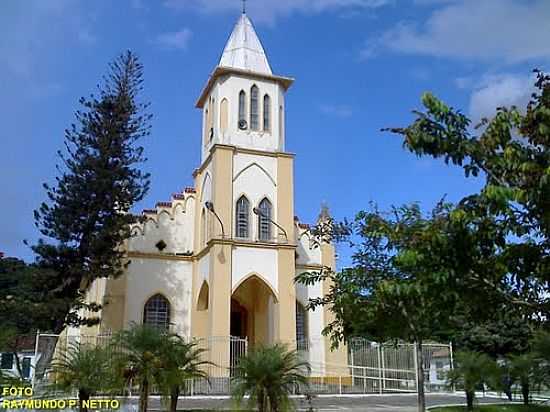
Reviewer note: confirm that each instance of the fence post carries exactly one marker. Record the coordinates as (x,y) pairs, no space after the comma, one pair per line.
(415,366)
(35,358)
(352,368)
(383,367)
(452,363)
(379,369)
(340,384)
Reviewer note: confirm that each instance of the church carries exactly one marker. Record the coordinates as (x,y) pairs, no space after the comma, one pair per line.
(217,261)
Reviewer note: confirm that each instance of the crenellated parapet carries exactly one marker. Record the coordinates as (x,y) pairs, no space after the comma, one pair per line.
(168,228)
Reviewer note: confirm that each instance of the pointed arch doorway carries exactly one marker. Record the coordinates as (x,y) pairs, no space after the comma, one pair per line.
(253,311)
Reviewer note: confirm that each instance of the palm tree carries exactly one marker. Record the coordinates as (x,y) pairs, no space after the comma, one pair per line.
(525,370)
(268,375)
(541,352)
(138,358)
(472,370)
(181,361)
(86,370)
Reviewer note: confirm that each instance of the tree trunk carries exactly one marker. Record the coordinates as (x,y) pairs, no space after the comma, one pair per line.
(420,376)
(174,395)
(525,393)
(261,402)
(143,395)
(83,395)
(470,400)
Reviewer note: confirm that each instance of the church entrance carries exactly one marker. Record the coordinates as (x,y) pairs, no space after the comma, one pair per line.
(239,317)
(252,311)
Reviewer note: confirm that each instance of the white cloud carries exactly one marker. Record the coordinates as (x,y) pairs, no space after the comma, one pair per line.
(500,90)
(178,40)
(509,30)
(267,11)
(341,111)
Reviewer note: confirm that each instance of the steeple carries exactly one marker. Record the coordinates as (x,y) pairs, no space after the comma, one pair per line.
(244,50)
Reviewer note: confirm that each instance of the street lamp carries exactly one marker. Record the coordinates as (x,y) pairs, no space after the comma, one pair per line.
(210,206)
(259,212)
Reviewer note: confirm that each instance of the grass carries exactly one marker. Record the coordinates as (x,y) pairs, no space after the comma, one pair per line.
(495,408)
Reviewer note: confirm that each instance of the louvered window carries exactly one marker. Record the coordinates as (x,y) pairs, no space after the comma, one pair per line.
(301,327)
(242,105)
(264,220)
(267,113)
(241,217)
(254,115)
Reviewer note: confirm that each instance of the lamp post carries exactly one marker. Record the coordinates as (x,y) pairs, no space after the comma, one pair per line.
(259,212)
(210,206)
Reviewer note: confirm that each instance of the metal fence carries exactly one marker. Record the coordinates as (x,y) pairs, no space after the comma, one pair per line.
(392,367)
(371,368)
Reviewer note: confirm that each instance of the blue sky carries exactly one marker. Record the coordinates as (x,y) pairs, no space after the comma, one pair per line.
(359,65)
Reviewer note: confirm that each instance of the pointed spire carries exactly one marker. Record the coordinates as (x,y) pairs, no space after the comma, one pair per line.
(244,50)
(324,215)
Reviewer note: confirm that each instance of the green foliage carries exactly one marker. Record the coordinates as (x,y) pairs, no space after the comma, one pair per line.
(404,281)
(512,211)
(148,355)
(268,375)
(502,331)
(471,371)
(525,370)
(87,212)
(30,299)
(180,362)
(137,357)
(86,370)
(540,347)
(9,342)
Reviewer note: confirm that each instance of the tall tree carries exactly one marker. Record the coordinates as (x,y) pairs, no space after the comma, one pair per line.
(512,155)
(413,276)
(87,215)
(404,281)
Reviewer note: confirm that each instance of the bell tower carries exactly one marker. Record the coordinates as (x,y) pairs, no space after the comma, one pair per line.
(243,102)
(245,190)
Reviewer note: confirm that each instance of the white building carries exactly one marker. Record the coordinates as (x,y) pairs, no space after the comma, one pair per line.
(219,259)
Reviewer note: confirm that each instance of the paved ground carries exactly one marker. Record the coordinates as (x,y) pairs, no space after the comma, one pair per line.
(370,403)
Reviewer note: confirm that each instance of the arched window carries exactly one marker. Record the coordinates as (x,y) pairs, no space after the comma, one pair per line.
(242,106)
(223,115)
(267,113)
(264,220)
(204,229)
(156,312)
(206,124)
(301,327)
(202,303)
(254,109)
(241,217)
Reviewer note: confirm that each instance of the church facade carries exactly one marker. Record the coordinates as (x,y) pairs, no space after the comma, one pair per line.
(219,259)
